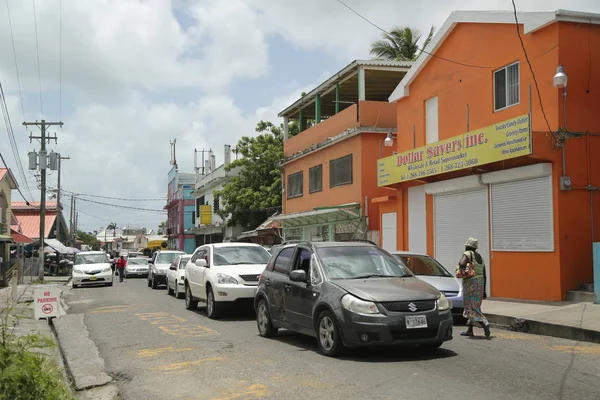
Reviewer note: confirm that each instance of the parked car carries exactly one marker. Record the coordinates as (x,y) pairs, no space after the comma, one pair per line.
(92,268)
(349,294)
(137,266)
(159,265)
(175,276)
(431,271)
(223,273)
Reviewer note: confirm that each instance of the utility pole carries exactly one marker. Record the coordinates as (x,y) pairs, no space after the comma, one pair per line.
(43,164)
(58,190)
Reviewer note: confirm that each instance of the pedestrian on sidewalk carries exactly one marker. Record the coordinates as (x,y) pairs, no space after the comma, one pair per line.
(121,264)
(471,268)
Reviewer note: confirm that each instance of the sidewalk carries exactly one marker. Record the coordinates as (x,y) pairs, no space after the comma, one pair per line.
(567,320)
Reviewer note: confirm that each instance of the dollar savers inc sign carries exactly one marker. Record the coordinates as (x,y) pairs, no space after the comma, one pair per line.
(507,139)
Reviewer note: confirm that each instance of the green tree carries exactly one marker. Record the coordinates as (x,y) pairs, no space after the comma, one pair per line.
(400,44)
(249,198)
(88,239)
(112,226)
(162,228)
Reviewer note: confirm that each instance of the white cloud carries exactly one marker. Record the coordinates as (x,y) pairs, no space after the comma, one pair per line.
(127,65)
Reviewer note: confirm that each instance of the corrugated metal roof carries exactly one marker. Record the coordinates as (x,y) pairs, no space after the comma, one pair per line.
(35,205)
(29,222)
(348,70)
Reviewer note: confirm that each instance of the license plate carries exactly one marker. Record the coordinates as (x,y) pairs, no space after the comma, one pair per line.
(92,278)
(416,321)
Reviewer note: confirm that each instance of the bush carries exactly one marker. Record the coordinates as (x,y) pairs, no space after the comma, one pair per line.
(26,373)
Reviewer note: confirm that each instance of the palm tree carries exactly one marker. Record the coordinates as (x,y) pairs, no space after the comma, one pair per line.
(112,226)
(400,44)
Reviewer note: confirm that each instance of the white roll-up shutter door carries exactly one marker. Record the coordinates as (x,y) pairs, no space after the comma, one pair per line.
(389,234)
(458,216)
(522,215)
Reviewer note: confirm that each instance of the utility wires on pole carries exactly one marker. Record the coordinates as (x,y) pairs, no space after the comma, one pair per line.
(40,160)
(58,193)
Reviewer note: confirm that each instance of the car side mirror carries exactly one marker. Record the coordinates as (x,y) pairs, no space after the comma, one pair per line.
(298,275)
(172,267)
(201,262)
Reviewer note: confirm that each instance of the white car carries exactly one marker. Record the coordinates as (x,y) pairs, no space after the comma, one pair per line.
(175,276)
(223,273)
(159,265)
(92,268)
(137,266)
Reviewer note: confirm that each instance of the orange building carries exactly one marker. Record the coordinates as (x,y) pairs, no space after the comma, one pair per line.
(329,166)
(486,150)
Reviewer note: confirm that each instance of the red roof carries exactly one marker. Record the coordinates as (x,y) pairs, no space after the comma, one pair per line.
(21,205)
(3,172)
(29,220)
(19,238)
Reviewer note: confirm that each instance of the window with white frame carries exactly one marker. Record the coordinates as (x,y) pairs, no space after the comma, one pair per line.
(522,215)
(506,87)
(295,185)
(431,120)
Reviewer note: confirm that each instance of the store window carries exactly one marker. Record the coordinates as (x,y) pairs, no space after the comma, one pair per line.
(522,217)
(295,185)
(315,179)
(340,171)
(506,86)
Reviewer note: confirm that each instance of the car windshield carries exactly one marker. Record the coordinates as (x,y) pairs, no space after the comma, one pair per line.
(422,265)
(183,262)
(91,259)
(236,255)
(166,258)
(354,262)
(137,261)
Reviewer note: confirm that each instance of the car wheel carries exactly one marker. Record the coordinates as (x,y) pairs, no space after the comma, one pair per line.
(169,290)
(431,346)
(154,285)
(190,303)
(149,284)
(212,307)
(109,284)
(328,335)
(263,320)
(75,286)
(178,294)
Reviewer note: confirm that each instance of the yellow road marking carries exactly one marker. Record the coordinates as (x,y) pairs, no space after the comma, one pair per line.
(513,336)
(110,309)
(578,349)
(155,352)
(188,330)
(184,365)
(255,391)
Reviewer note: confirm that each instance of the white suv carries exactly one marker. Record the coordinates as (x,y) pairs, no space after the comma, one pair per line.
(223,273)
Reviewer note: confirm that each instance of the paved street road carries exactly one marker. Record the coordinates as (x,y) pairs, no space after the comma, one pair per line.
(156,349)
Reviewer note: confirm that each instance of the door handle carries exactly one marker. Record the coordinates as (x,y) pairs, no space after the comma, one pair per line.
(288,287)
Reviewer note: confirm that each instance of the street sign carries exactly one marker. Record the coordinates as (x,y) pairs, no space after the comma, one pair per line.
(46,302)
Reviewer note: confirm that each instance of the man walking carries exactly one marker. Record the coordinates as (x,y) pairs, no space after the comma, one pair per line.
(121,264)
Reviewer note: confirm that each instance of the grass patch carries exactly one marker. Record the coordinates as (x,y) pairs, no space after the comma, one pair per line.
(25,372)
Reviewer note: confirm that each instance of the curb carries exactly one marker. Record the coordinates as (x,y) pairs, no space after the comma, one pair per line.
(543,328)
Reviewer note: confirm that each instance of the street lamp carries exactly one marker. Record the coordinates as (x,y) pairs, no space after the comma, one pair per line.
(388,142)
(560,79)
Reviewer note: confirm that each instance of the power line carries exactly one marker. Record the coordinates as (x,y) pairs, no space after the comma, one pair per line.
(12,140)
(113,198)
(37,47)
(537,88)
(18,188)
(12,38)
(428,53)
(125,207)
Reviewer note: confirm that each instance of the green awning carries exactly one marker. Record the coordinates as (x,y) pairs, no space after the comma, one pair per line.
(321,216)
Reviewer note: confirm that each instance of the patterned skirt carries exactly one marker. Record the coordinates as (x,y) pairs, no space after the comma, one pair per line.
(473,290)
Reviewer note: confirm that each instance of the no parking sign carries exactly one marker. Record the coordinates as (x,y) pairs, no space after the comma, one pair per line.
(46,302)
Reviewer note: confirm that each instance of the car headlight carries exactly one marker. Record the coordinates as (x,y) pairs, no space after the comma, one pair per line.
(224,278)
(358,306)
(78,271)
(443,303)
(108,269)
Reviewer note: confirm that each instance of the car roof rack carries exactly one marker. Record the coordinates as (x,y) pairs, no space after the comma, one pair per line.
(295,242)
(360,241)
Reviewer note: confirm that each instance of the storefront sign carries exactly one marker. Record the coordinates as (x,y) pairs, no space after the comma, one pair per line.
(508,139)
(46,302)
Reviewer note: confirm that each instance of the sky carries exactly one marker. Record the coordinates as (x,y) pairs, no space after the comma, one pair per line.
(128,76)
